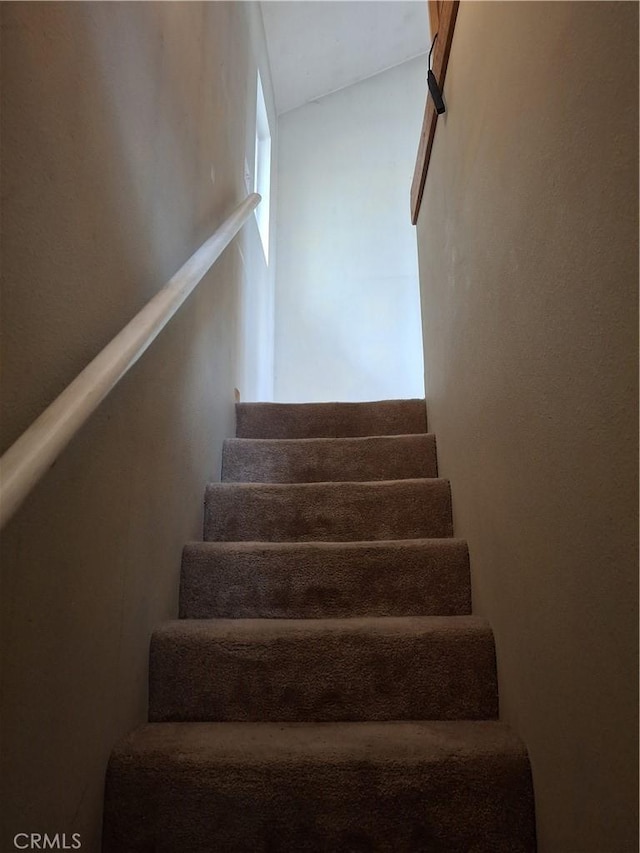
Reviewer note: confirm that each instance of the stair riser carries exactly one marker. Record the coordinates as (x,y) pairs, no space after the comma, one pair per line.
(310,581)
(482,804)
(330,420)
(322,460)
(403,509)
(281,810)
(301,676)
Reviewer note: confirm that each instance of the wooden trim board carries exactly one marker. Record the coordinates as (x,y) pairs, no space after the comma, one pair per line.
(440,59)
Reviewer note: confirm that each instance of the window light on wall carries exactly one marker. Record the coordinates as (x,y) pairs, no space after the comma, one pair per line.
(262,169)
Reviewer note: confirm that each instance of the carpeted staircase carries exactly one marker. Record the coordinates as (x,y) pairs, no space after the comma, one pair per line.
(326,688)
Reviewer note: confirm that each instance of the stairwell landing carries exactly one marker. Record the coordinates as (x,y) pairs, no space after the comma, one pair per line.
(326,687)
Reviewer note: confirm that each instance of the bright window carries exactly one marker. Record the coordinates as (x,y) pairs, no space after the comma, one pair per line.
(262,171)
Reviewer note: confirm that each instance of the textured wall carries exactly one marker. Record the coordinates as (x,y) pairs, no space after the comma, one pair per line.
(348,304)
(114,117)
(528,259)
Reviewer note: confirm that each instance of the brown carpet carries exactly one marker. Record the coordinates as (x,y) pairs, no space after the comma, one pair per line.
(318,460)
(309,580)
(335,512)
(323,669)
(326,688)
(330,420)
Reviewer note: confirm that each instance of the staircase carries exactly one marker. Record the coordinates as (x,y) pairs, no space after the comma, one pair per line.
(326,688)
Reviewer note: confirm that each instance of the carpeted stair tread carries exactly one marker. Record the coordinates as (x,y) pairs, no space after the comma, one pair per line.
(330,420)
(324,669)
(403,577)
(395,787)
(326,689)
(318,460)
(302,512)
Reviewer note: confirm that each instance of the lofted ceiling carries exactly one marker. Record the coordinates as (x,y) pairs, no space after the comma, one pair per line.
(320,46)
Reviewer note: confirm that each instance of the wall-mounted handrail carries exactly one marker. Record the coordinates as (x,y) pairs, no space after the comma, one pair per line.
(25,462)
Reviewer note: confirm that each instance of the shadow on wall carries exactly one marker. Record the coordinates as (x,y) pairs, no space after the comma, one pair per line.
(112,115)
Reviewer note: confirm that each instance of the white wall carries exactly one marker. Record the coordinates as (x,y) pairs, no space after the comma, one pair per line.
(347,322)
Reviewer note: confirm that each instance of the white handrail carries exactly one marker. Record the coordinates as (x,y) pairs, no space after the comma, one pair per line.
(38,447)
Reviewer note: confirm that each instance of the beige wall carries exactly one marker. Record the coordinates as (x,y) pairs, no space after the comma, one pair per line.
(113,117)
(528,256)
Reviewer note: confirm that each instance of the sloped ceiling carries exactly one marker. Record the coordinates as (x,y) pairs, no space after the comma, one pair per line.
(321,46)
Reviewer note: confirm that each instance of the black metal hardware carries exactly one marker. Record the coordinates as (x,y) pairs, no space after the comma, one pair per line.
(432,83)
